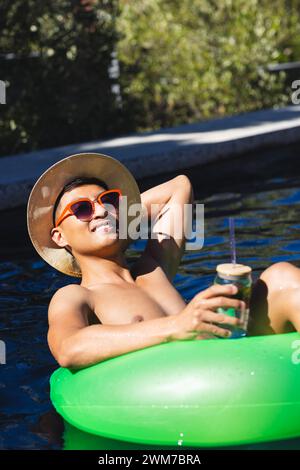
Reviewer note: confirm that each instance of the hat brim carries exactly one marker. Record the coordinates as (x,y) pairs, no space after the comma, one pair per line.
(47,188)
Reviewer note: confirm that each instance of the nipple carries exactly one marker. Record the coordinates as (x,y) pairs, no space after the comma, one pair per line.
(137,318)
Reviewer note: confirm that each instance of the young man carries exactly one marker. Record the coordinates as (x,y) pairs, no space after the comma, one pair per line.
(115,310)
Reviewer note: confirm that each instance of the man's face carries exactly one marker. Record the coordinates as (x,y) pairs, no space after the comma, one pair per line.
(97,236)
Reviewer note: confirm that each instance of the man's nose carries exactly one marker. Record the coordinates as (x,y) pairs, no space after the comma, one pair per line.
(100,211)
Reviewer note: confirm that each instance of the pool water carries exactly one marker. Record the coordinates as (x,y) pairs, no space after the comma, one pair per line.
(267,227)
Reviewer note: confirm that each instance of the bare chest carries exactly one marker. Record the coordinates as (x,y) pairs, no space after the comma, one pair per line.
(123,304)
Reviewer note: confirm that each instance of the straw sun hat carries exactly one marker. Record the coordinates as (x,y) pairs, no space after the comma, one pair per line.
(47,188)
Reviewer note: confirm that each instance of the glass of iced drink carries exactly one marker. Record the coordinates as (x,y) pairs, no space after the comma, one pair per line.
(240,276)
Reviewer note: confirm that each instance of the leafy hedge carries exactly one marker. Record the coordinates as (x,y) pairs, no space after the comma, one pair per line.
(59,86)
(178,61)
(187,60)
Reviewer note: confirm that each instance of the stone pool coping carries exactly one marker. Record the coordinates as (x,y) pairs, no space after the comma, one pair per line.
(151,153)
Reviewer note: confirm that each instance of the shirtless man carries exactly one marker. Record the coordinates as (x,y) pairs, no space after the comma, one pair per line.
(115,309)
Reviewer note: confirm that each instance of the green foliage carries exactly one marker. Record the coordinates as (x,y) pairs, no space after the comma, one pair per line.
(188,60)
(59,89)
(180,61)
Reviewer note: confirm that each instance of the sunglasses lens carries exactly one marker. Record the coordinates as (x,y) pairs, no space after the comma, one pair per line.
(83,210)
(112,199)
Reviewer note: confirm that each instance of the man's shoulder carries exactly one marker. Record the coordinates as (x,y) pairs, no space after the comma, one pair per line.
(70,294)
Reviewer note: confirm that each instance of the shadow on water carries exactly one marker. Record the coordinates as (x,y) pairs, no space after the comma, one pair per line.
(265,206)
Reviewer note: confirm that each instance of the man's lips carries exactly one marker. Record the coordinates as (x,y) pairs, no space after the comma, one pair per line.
(101,225)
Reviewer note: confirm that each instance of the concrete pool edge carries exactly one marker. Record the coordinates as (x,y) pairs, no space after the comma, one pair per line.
(151,153)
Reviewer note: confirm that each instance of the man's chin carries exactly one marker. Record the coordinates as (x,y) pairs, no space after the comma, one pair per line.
(109,239)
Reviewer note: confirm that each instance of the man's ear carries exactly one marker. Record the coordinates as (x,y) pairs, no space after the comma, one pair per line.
(58,238)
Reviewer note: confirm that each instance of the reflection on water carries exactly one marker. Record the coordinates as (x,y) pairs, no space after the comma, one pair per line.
(267,229)
(74,439)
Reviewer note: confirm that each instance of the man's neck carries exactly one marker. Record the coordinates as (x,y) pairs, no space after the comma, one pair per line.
(97,270)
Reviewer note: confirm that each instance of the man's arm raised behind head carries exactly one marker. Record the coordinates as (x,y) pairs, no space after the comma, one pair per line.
(75,344)
(165,204)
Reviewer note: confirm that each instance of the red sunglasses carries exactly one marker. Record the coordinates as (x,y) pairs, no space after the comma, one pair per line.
(84,208)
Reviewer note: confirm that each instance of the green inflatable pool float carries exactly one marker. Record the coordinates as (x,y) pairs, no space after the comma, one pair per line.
(189,393)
